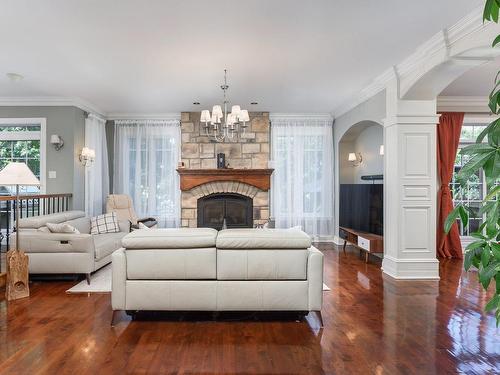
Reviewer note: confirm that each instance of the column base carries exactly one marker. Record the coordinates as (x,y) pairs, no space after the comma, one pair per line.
(411,269)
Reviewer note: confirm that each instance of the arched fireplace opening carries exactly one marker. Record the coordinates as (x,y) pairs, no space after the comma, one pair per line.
(235,209)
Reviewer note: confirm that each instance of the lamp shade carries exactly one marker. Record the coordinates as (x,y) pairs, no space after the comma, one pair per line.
(217,110)
(18,174)
(243,116)
(235,110)
(205,116)
(352,156)
(55,139)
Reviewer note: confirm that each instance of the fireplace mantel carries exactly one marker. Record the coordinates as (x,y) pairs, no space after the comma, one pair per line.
(190,178)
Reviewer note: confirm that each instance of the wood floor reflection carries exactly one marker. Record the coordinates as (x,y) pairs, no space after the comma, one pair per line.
(373,325)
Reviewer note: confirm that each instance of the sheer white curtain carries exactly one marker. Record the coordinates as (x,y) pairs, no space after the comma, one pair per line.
(96,174)
(146,157)
(302,184)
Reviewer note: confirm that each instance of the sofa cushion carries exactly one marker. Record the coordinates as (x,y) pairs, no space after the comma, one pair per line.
(171,264)
(105,244)
(36,222)
(178,238)
(258,264)
(81,223)
(262,239)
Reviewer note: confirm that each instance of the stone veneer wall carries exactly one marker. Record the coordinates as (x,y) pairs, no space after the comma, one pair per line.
(249,152)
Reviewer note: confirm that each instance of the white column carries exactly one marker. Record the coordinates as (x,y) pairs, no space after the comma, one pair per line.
(410,189)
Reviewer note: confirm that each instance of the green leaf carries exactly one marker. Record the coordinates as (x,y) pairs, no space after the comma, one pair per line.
(493,303)
(487,10)
(452,217)
(487,273)
(475,245)
(496,41)
(476,148)
(472,166)
(492,193)
(486,130)
(464,216)
(468,258)
(485,256)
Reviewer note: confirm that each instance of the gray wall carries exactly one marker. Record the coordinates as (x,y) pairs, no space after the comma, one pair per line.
(69,123)
(368,144)
(373,109)
(110,140)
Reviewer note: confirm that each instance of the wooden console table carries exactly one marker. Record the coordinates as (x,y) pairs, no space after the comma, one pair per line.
(368,242)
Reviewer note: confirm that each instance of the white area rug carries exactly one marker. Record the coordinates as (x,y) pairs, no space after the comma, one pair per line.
(100,282)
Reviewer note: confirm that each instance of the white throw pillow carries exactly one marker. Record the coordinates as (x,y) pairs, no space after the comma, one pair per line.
(44,230)
(62,228)
(106,223)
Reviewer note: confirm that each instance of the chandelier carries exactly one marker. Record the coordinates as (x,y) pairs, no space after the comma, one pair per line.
(221,125)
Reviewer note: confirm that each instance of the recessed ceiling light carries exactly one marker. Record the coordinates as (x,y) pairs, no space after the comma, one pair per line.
(196,103)
(14,76)
(254,103)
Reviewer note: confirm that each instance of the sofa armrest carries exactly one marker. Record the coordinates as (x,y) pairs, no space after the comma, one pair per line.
(315,278)
(119,279)
(40,242)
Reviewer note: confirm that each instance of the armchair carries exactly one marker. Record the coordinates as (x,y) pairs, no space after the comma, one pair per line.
(124,208)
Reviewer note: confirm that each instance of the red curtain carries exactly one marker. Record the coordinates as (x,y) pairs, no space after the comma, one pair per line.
(448,137)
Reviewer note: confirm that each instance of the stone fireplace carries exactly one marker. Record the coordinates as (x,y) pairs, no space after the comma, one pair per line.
(239,193)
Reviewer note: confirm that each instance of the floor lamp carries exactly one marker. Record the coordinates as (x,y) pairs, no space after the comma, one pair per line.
(17,174)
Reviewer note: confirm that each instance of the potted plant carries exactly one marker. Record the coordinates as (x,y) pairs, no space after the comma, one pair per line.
(484,252)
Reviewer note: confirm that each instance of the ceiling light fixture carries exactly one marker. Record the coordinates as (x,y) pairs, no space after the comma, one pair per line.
(14,77)
(196,103)
(225,125)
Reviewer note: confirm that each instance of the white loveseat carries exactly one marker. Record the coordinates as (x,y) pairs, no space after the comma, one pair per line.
(61,253)
(205,270)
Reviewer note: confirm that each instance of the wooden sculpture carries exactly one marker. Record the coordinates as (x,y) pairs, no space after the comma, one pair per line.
(17,275)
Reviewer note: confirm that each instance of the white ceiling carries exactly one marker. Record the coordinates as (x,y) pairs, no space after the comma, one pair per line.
(476,82)
(160,56)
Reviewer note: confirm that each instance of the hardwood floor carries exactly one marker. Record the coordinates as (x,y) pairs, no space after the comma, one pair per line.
(373,325)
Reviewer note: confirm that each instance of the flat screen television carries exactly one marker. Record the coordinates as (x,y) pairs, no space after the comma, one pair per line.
(361,207)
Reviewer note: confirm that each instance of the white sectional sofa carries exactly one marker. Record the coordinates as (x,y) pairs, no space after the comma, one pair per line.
(63,253)
(205,270)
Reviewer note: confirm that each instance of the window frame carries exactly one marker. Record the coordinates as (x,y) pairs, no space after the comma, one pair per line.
(471,120)
(27,136)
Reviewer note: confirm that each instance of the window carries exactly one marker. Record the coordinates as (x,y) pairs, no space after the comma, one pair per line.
(474,191)
(302,188)
(147,152)
(23,140)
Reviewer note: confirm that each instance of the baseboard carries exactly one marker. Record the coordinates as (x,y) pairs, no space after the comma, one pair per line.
(411,269)
(338,241)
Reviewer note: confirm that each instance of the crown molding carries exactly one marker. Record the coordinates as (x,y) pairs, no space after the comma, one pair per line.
(438,45)
(301,116)
(50,101)
(468,104)
(143,116)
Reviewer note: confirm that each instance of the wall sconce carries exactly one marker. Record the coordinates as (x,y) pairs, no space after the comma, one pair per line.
(356,159)
(56,141)
(87,156)
(381,151)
